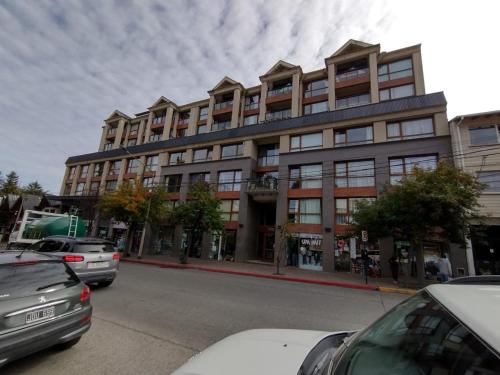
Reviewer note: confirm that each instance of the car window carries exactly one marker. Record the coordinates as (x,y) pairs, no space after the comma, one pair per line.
(27,278)
(47,246)
(418,336)
(92,248)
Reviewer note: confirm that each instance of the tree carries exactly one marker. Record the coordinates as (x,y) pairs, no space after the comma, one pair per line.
(34,188)
(199,214)
(284,237)
(11,184)
(129,204)
(443,201)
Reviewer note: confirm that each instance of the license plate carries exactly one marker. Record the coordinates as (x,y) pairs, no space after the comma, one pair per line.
(37,315)
(95,265)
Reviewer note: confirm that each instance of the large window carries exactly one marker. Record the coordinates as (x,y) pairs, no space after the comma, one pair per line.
(397,92)
(98,170)
(306,176)
(355,173)
(154,137)
(183,118)
(491,179)
(196,178)
(148,182)
(400,167)
(352,101)
(345,207)
(133,166)
(251,120)
(268,155)
(309,109)
(410,129)
(79,188)
(232,151)
(134,129)
(395,70)
(173,183)
(177,158)
(230,209)
(94,188)
(131,142)
(484,135)
(202,154)
(221,125)
(229,181)
(114,167)
(72,172)
(151,163)
(202,129)
(108,146)
(304,211)
(282,114)
(252,102)
(306,142)
(111,185)
(354,136)
(316,88)
(159,118)
(84,171)
(203,114)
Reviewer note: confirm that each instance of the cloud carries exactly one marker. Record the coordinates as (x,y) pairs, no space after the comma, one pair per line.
(65,65)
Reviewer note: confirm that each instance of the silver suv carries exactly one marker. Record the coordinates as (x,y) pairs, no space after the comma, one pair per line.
(94,260)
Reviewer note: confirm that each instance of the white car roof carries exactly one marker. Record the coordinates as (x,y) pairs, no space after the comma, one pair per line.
(476,306)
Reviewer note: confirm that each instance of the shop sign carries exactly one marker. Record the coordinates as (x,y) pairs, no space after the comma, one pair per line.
(316,242)
(118,225)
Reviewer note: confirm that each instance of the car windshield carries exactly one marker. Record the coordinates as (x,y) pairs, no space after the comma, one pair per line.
(93,248)
(419,337)
(27,278)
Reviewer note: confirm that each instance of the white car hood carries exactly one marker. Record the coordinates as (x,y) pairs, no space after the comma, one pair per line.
(255,352)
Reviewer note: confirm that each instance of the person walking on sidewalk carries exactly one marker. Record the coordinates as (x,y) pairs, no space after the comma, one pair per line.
(444,267)
(394,264)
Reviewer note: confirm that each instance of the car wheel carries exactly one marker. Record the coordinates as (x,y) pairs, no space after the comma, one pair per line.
(104,284)
(68,344)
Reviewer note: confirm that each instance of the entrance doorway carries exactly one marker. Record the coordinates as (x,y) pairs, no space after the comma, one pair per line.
(223,246)
(266,245)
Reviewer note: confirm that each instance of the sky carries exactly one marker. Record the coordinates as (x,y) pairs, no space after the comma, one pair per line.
(66,65)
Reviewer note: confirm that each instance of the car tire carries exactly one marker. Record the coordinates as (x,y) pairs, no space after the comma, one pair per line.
(68,344)
(104,284)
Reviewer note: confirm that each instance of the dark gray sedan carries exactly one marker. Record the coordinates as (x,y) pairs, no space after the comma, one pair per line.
(42,304)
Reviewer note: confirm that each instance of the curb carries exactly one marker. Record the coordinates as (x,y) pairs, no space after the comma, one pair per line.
(340,284)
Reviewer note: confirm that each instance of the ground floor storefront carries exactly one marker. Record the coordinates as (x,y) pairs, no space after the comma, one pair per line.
(485,248)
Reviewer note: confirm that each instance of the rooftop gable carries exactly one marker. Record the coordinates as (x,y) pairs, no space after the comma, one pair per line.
(280,66)
(116,114)
(351,46)
(162,101)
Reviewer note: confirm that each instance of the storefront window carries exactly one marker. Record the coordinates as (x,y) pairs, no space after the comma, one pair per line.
(305,251)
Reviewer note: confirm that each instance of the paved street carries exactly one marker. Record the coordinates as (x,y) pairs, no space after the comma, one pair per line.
(151,319)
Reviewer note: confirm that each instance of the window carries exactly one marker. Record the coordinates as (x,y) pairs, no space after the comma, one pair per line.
(352,101)
(345,207)
(316,88)
(108,146)
(278,115)
(306,142)
(72,172)
(230,209)
(181,133)
(133,166)
(111,185)
(111,131)
(79,188)
(203,114)
(151,163)
(131,142)
(251,120)
(397,92)
(410,129)
(134,129)
(130,181)
(202,154)
(252,102)
(229,181)
(395,70)
(268,155)
(221,125)
(67,189)
(304,211)
(355,174)
(98,170)
(306,177)
(400,167)
(94,188)
(310,109)
(84,171)
(154,137)
(354,136)
(491,179)
(173,183)
(232,151)
(114,167)
(183,118)
(148,182)
(159,118)
(202,129)
(177,158)
(484,135)
(196,178)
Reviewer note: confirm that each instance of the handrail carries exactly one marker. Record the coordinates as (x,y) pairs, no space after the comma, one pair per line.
(351,74)
(280,91)
(266,183)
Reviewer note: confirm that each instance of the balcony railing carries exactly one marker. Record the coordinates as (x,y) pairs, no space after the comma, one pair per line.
(351,74)
(251,106)
(352,101)
(263,184)
(222,125)
(223,105)
(279,91)
(267,161)
(278,115)
(183,121)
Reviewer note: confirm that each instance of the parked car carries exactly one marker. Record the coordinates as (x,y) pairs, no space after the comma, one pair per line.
(94,260)
(42,304)
(444,329)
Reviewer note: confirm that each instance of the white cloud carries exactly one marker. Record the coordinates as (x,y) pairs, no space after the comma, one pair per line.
(65,65)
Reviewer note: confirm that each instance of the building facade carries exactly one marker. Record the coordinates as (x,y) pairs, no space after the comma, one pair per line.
(300,148)
(476,147)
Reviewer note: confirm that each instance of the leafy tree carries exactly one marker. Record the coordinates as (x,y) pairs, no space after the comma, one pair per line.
(443,201)
(11,184)
(199,214)
(34,188)
(284,238)
(129,204)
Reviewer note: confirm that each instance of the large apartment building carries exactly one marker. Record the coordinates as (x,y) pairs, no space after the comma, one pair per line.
(476,147)
(300,147)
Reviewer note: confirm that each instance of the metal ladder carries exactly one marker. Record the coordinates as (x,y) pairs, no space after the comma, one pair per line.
(73,225)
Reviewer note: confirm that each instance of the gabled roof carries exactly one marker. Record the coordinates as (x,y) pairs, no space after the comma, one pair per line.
(225,82)
(280,66)
(351,46)
(118,114)
(162,101)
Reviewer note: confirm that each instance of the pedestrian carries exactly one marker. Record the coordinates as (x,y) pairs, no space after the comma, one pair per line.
(444,268)
(121,244)
(394,264)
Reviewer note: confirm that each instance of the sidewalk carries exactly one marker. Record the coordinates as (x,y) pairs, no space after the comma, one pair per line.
(262,270)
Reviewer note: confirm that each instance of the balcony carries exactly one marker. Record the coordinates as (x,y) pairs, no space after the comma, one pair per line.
(221,125)
(263,190)
(279,91)
(279,115)
(352,74)
(268,161)
(352,101)
(223,105)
